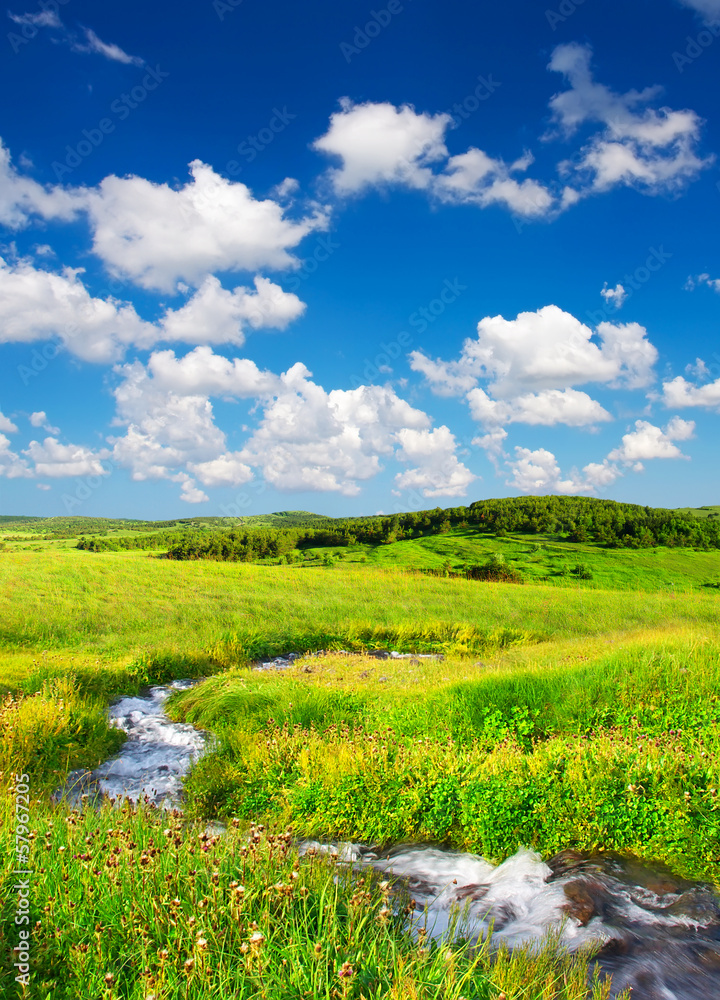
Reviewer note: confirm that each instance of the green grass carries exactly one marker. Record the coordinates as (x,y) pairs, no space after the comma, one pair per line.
(566,713)
(119,604)
(604,750)
(542,558)
(128,904)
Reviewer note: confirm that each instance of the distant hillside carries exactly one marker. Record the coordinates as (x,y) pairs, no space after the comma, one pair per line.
(518,513)
(700,511)
(74,527)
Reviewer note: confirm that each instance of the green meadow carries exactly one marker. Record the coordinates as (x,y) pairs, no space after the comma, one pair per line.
(578,708)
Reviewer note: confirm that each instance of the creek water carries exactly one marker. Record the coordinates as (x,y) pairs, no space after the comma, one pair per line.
(154,759)
(659,934)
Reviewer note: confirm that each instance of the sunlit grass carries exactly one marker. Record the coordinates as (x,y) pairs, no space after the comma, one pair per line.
(133,904)
(119,603)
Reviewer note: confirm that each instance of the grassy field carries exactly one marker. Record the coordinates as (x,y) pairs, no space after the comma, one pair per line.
(565,713)
(120,604)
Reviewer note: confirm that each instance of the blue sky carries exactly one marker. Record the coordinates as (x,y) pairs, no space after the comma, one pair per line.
(355,258)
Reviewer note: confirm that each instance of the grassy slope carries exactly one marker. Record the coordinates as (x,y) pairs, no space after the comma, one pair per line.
(74,628)
(121,603)
(541,557)
(607,744)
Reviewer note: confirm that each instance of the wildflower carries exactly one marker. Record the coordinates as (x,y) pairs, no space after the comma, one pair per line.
(256,939)
(201,944)
(347,971)
(189,965)
(109,978)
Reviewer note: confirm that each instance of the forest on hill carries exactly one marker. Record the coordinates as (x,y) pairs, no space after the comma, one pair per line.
(574,519)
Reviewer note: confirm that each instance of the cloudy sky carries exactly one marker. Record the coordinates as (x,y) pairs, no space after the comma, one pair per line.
(264,256)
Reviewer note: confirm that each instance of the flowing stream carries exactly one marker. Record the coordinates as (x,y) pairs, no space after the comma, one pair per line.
(660,934)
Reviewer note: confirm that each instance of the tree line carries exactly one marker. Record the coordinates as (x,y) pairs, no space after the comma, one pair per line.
(574,519)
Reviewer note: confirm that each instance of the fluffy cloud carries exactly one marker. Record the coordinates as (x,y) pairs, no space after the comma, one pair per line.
(648,441)
(11,465)
(216,316)
(476,178)
(437,470)
(614,296)
(53,460)
(39,419)
(538,472)
(547,408)
(156,235)
(7,425)
(38,305)
(311,439)
(307,438)
(381,144)
(547,349)
(226,470)
(206,373)
(191,493)
(653,150)
(21,197)
(165,430)
(679,393)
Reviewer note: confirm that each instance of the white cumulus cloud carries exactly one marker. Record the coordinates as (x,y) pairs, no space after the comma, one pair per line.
(21,197)
(436,471)
(651,149)
(53,460)
(383,144)
(648,441)
(7,425)
(679,393)
(547,349)
(476,178)
(157,235)
(38,305)
(547,408)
